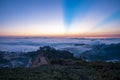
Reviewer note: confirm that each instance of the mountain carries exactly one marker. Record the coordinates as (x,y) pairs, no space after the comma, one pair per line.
(48,55)
(103,52)
(43,56)
(48,63)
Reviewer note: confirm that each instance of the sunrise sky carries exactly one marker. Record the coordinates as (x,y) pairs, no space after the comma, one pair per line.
(78,18)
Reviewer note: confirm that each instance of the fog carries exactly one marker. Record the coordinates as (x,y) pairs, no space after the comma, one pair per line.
(74,45)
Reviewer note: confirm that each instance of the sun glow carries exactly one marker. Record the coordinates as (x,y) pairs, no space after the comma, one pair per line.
(67,18)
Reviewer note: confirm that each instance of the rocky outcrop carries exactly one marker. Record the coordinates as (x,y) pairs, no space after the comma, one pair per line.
(41,59)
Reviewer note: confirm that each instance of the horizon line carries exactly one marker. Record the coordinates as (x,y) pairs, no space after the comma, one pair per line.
(65,36)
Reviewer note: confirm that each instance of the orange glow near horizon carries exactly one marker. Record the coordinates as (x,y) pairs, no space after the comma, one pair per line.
(60,18)
(88,35)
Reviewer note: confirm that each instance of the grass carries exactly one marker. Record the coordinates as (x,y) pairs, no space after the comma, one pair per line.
(63,66)
(83,71)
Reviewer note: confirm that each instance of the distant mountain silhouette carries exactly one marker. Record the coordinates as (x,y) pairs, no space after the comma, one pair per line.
(103,52)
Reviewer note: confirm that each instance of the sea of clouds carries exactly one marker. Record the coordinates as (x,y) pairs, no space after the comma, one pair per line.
(32,44)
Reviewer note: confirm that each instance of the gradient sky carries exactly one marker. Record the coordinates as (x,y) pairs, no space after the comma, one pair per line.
(81,18)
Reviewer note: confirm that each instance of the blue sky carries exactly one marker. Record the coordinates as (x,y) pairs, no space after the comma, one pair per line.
(59,17)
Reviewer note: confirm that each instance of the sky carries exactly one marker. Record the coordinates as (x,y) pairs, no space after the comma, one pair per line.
(74,18)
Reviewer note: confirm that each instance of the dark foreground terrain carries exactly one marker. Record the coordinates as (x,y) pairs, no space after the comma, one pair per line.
(80,71)
(50,64)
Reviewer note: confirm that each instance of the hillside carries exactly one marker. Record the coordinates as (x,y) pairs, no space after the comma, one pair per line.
(48,63)
(103,53)
(82,71)
(43,56)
